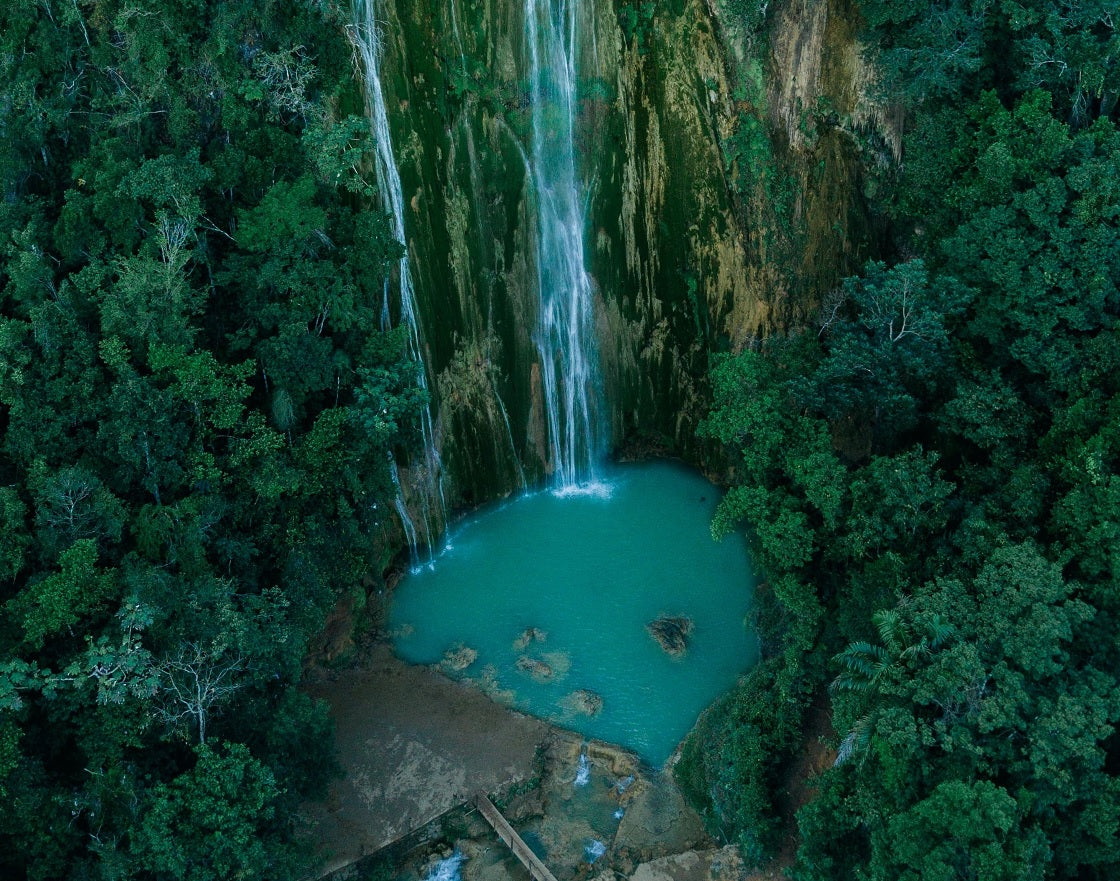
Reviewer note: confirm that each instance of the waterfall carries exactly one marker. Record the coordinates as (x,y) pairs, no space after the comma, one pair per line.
(428,473)
(509,436)
(583,772)
(402,511)
(448,869)
(458,37)
(565,336)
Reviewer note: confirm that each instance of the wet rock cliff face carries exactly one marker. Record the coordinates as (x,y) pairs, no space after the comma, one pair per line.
(833,138)
(722,162)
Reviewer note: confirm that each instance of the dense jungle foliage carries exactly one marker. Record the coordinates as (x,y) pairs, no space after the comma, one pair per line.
(196,414)
(932,481)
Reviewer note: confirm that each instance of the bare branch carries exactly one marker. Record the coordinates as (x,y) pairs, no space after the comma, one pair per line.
(194,682)
(830,309)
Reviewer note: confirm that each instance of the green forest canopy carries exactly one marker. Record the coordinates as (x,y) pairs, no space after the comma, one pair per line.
(197,414)
(931,480)
(197,411)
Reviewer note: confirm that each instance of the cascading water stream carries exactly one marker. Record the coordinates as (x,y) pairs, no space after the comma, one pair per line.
(448,869)
(566,334)
(583,771)
(406,521)
(594,849)
(367,38)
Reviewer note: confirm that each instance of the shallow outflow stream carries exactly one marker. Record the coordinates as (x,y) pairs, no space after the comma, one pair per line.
(547,603)
(592,809)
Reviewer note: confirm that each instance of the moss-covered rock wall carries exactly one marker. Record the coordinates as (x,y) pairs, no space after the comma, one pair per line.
(722,157)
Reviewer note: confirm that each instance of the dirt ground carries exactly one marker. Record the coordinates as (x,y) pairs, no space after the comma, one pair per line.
(413,744)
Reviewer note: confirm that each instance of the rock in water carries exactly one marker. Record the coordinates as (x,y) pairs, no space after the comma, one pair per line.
(559,662)
(671,633)
(538,670)
(583,702)
(529,635)
(457,659)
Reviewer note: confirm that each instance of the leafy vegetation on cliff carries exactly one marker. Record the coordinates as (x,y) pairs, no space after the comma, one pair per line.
(932,478)
(196,411)
(196,414)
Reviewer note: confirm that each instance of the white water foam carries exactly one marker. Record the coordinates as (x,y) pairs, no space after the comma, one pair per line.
(596,489)
(448,869)
(583,772)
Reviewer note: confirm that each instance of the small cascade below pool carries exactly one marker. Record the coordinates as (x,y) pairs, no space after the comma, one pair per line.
(613,614)
(448,869)
(565,335)
(426,473)
(583,771)
(594,849)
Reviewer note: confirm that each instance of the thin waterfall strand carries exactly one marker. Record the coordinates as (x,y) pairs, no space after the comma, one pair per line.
(509,436)
(402,512)
(367,39)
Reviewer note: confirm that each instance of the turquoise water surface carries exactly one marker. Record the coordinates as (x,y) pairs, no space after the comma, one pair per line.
(589,571)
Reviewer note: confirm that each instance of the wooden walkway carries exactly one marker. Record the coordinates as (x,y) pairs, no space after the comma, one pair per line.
(538,871)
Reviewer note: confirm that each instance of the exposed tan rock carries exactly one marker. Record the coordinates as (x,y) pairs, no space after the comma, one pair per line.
(412,745)
(704,865)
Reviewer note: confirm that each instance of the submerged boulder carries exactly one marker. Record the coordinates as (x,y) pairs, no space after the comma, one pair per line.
(583,702)
(671,633)
(559,661)
(528,636)
(538,670)
(492,687)
(458,658)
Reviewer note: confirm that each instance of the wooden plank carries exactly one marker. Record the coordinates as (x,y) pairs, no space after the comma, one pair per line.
(538,871)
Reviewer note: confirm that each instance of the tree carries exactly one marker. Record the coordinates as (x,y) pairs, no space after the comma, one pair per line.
(195,682)
(191,276)
(214,822)
(887,349)
(52,605)
(962,830)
